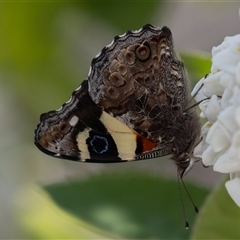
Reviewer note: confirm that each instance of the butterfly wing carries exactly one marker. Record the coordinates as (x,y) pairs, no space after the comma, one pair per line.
(139,80)
(130,107)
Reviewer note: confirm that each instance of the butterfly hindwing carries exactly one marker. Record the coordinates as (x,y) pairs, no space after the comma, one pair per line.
(94,136)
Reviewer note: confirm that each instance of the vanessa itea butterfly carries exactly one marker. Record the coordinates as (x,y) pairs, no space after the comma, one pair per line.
(135,104)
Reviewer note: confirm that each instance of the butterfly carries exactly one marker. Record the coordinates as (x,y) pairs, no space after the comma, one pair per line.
(135,104)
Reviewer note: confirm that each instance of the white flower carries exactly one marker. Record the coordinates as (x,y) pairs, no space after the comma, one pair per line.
(221,134)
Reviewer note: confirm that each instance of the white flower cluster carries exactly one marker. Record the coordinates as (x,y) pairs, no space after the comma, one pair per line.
(221,133)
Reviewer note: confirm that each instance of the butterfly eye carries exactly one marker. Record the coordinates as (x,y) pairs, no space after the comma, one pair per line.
(143,52)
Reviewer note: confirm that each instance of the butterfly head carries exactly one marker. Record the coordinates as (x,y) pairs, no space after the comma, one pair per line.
(185,163)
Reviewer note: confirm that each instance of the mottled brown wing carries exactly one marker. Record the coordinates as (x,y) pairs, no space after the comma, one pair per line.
(139,80)
(134,105)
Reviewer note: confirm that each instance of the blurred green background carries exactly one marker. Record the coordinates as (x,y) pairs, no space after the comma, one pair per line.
(45,52)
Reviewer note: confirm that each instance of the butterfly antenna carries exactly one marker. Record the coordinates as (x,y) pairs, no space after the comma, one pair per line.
(197,103)
(194,205)
(196,93)
(181,198)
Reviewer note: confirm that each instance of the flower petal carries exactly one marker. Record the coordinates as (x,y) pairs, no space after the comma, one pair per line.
(227,122)
(212,85)
(211,108)
(203,145)
(226,56)
(233,187)
(238,74)
(226,97)
(218,137)
(220,145)
(230,160)
(237,116)
(209,157)
(224,165)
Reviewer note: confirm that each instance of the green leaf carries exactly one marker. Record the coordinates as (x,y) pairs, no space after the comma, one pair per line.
(43,219)
(131,205)
(219,217)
